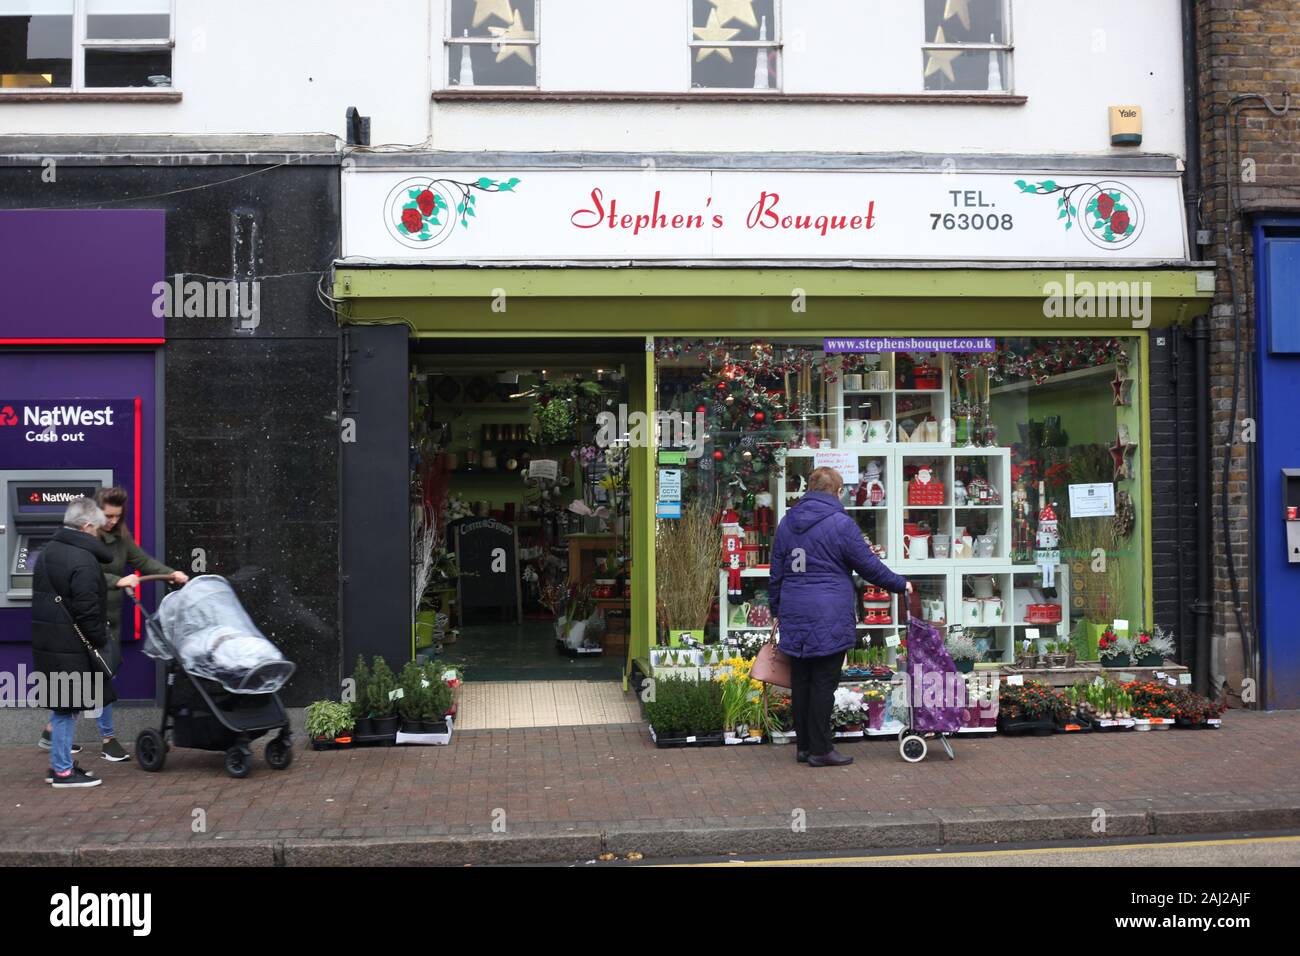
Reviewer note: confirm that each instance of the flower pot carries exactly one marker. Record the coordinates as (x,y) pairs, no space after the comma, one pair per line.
(964,666)
(1149,660)
(1058,660)
(1021,726)
(1120,660)
(363,727)
(322,743)
(384,726)
(875,714)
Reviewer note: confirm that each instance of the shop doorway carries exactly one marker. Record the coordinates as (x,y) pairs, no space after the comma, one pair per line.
(521,504)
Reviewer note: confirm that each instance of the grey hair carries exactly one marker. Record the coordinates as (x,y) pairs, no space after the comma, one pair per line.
(81,512)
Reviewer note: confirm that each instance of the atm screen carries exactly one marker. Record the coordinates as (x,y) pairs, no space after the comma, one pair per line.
(33,499)
(29,548)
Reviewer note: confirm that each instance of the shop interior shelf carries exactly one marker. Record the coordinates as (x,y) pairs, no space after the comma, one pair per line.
(866,507)
(868,391)
(918,391)
(756,572)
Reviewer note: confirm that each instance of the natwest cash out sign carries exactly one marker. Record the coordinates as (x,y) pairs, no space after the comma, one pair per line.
(64,422)
(459,215)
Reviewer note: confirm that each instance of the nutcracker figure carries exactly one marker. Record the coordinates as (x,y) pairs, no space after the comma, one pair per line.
(733,559)
(1048,540)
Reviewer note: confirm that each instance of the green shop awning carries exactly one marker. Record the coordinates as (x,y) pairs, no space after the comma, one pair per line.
(705,300)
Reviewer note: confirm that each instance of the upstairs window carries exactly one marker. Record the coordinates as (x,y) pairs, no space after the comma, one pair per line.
(79,45)
(492,43)
(968,46)
(734,45)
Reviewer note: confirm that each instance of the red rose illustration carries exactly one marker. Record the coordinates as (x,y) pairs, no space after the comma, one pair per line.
(412,221)
(425,202)
(1144,638)
(1119,223)
(1105,206)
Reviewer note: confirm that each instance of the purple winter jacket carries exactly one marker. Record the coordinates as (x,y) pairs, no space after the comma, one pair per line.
(817,605)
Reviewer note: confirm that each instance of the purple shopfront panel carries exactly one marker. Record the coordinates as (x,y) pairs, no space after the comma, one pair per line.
(80,274)
(101,378)
(83,277)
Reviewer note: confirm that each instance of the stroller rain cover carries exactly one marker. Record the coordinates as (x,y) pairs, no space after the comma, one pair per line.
(937,692)
(212,636)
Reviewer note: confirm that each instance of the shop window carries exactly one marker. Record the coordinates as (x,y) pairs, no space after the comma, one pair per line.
(967,45)
(78,45)
(1005,484)
(492,43)
(735,45)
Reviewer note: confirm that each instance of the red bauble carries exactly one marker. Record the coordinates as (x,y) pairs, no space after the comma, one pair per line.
(700,409)
(717,456)
(758,417)
(722,386)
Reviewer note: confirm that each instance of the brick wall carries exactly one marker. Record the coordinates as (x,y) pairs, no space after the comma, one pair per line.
(1243,47)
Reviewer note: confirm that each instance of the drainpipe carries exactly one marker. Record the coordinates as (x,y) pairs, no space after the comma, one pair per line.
(1191,129)
(1204,603)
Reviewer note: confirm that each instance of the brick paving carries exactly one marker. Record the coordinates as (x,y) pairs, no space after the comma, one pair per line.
(606,779)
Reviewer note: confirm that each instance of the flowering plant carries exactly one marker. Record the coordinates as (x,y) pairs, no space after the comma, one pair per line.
(1032,700)
(849,708)
(1157,642)
(740,693)
(1151,699)
(1193,707)
(1110,647)
(780,713)
(960,647)
(751,642)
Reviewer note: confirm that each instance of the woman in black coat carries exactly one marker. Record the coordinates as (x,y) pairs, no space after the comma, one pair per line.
(68,586)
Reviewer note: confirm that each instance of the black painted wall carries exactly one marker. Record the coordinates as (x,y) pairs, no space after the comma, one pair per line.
(1173,513)
(251,448)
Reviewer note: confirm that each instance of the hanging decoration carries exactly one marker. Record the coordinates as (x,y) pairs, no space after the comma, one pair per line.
(515,31)
(739,10)
(744,422)
(1047,359)
(1125,519)
(940,61)
(1121,454)
(1120,386)
(714,30)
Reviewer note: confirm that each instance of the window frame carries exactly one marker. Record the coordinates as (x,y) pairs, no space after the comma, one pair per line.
(81,44)
(451,44)
(1008,47)
(777,43)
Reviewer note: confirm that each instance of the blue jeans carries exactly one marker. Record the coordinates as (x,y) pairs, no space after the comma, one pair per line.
(105,722)
(62,730)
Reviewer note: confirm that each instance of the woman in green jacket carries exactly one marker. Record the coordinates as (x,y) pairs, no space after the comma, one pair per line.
(123,571)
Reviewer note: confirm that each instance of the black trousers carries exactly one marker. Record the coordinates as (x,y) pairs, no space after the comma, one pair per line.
(813,699)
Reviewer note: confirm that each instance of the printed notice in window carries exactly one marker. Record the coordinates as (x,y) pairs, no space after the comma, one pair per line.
(1092,501)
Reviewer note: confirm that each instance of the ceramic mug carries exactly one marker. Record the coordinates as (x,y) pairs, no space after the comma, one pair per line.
(878,381)
(972,611)
(879,431)
(853,383)
(740,616)
(941,544)
(991,611)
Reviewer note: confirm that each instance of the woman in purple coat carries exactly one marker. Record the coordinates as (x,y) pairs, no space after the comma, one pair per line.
(817,549)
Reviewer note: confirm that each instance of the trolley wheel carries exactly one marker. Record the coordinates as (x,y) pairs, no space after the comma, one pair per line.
(279,754)
(150,750)
(237,762)
(913,748)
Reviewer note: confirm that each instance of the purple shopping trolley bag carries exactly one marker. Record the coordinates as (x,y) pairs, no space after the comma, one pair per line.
(936,691)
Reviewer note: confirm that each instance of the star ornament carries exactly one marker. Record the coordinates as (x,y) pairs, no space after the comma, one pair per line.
(1121,455)
(959,9)
(515,31)
(1120,386)
(713,30)
(484,10)
(742,10)
(940,61)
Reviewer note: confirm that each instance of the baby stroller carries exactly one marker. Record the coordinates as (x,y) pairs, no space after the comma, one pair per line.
(928,677)
(222,675)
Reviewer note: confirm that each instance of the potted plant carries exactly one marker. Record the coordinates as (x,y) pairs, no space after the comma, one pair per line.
(962,649)
(380,698)
(329,723)
(874,698)
(1153,705)
(412,702)
(1030,708)
(362,725)
(779,718)
(686,569)
(739,696)
(686,713)
(848,712)
(1195,712)
(1151,649)
(1114,651)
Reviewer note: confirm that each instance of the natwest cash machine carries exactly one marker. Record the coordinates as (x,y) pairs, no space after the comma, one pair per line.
(31,513)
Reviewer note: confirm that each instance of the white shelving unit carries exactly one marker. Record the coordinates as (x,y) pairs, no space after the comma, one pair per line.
(938,579)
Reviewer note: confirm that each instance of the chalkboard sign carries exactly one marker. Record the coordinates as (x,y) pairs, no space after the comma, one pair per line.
(488,556)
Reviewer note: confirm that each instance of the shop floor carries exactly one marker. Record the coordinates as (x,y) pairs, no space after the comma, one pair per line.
(513,704)
(509,652)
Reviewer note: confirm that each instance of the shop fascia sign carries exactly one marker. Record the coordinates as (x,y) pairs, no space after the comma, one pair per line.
(530,214)
(43,422)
